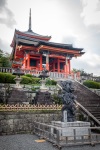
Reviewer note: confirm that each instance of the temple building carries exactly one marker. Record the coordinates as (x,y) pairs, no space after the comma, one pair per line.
(34,52)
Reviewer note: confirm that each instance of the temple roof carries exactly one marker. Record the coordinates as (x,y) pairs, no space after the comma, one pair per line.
(30,33)
(30,41)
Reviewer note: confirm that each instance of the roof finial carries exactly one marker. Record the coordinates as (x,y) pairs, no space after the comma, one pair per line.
(30,21)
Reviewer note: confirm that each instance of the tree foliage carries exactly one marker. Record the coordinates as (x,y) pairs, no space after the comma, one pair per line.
(82,72)
(4,59)
(92,84)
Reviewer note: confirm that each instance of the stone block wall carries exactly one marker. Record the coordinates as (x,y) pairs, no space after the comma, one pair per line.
(22,122)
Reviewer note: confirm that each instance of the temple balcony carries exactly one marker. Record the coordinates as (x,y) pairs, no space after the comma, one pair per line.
(52,75)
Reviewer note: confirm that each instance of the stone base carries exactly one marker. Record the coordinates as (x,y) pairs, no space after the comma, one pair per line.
(43,89)
(17,95)
(43,98)
(68,129)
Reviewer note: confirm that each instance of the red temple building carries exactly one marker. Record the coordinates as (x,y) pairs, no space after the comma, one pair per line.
(32,52)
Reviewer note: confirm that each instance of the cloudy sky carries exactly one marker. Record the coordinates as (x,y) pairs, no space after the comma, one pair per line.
(74,22)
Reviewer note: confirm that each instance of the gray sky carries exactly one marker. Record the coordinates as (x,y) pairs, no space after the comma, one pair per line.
(74,22)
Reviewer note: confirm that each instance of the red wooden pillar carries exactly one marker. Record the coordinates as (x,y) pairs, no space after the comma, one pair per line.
(24,62)
(47,62)
(69,66)
(40,62)
(54,66)
(58,65)
(66,65)
(28,65)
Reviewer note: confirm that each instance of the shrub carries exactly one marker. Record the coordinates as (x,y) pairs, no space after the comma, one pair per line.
(7,78)
(2,77)
(36,80)
(26,80)
(92,84)
(50,82)
(28,75)
(54,82)
(57,99)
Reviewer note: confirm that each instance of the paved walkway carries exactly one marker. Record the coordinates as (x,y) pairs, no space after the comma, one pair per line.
(27,142)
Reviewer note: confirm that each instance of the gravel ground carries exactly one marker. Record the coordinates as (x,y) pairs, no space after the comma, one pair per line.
(27,142)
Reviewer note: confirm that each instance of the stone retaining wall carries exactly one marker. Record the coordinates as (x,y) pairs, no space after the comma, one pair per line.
(22,122)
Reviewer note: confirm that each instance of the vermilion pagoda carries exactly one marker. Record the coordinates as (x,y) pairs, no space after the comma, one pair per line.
(34,52)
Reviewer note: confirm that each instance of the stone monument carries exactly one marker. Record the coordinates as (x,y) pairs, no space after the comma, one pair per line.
(43,96)
(18,95)
(18,72)
(43,77)
(68,126)
(67,96)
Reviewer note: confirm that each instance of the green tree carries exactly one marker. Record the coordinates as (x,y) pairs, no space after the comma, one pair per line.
(82,72)
(4,59)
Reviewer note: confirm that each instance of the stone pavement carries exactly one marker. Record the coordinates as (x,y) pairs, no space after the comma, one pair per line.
(27,142)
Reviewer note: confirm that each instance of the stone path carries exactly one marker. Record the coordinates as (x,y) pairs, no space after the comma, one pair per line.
(27,142)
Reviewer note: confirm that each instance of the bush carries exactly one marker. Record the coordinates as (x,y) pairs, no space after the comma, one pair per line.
(92,84)
(26,80)
(28,75)
(36,80)
(54,82)
(7,78)
(50,82)
(57,99)
(30,80)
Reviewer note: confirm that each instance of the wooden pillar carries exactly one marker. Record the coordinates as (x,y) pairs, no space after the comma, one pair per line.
(37,64)
(24,62)
(69,66)
(54,66)
(40,62)
(28,65)
(66,65)
(47,62)
(58,65)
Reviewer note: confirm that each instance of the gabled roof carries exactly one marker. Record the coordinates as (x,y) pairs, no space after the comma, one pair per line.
(30,41)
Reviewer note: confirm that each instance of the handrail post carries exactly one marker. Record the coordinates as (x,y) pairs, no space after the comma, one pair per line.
(90,136)
(74,131)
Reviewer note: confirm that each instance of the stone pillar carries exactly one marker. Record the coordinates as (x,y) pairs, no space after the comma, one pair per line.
(64,116)
(47,62)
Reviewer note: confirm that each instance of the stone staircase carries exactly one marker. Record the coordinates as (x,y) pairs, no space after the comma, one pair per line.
(88,99)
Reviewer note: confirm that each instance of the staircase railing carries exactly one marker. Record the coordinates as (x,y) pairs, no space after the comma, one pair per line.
(84,109)
(87,112)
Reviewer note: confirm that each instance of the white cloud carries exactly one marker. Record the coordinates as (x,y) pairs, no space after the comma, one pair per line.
(91,12)
(6,15)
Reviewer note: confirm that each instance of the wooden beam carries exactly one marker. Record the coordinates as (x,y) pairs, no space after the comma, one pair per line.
(43,47)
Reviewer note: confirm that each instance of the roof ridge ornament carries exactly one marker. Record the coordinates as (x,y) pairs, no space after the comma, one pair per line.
(30,30)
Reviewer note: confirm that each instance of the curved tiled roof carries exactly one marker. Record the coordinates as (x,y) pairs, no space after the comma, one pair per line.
(31,33)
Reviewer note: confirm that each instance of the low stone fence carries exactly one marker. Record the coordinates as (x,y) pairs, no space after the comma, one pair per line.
(22,122)
(19,118)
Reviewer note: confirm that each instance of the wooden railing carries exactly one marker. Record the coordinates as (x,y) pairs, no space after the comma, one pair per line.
(6,69)
(21,107)
(53,134)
